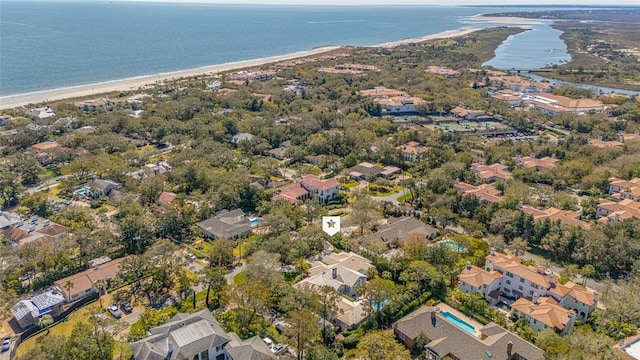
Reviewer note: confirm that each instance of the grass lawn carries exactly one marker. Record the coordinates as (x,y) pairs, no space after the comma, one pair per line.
(64,327)
(350,185)
(404,198)
(203,246)
(240,277)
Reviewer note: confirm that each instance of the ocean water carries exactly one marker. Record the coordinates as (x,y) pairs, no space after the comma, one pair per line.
(51,44)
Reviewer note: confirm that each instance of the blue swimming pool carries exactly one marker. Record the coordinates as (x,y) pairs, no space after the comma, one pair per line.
(81,191)
(458,322)
(254,221)
(453,245)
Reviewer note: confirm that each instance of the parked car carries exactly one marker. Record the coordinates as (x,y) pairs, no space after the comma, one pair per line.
(190,256)
(277,349)
(113,309)
(6,344)
(126,307)
(26,276)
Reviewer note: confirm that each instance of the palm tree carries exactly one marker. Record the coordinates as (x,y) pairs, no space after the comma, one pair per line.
(99,284)
(68,286)
(302,267)
(45,322)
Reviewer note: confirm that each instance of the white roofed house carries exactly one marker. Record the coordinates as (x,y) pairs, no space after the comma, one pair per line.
(236,139)
(41,113)
(342,272)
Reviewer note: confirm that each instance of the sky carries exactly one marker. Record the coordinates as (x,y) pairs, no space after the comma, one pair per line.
(413,2)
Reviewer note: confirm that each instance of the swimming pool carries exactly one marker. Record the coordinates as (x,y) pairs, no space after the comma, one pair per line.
(453,245)
(458,322)
(81,191)
(254,221)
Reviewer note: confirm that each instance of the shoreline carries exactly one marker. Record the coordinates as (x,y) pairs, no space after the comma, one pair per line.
(137,82)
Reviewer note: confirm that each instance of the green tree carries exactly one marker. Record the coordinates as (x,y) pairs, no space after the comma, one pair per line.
(45,322)
(381,345)
(365,211)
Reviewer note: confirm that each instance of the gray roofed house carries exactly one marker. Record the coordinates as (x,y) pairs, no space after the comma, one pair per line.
(194,336)
(251,349)
(102,187)
(364,171)
(236,139)
(8,219)
(397,230)
(446,339)
(28,312)
(227,224)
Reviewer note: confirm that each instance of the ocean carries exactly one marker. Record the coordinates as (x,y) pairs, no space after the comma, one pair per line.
(50,44)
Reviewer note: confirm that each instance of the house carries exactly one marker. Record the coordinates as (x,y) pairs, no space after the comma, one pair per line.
(412,150)
(522,281)
(512,98)
(166,198)
(439,70)
(294,194)
(28,312)
(37,230)
(350,69)
(567,217)
(46,146)
(394,231)
(41,113)
(550,104)
(82,284)
(544,313)
(68,122)
(612,211)
(226,224)
(380,92)
(466,114)
(279,152)
(197,336)
(532,162)
(364,171)
(625,189)
(445,340)
(474,279)
(399,105)
(236,139)
(150,170)
(102,187)
(492,173)
(324,190)
(5,119)
(342,272)
(94,104)
(485,193)
(8,219)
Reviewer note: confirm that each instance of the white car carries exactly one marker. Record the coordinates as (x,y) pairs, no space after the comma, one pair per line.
(113,309)
(190,256)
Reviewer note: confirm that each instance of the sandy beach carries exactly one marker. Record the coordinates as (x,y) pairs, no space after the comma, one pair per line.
(132,84)
(506,20)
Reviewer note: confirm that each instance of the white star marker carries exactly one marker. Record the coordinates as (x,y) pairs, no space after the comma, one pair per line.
(331,224)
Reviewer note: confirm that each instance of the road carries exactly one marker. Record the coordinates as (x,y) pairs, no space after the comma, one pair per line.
(393,198)
(49,182)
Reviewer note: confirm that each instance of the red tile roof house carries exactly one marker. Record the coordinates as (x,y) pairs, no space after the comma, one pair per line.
(486,193)
(83,282)
(324,190)
(532,162)
(412,150)
(492,173)
(466,114)
(293,193)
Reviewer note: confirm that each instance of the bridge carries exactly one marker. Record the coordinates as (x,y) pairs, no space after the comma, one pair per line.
(527,70)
